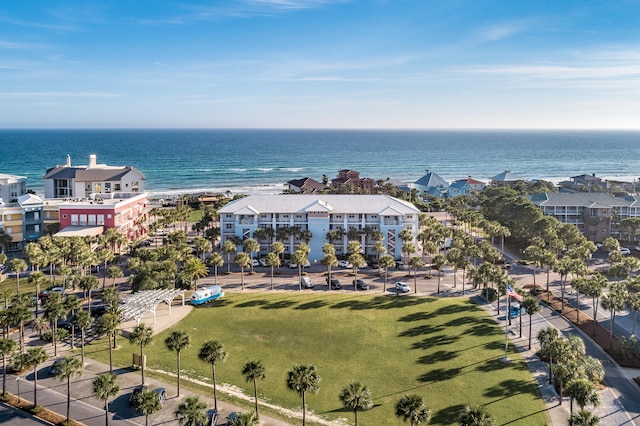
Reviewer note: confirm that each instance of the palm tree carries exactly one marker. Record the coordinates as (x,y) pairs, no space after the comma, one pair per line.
(146,402)
(299,257)
(20,311)
(613,302)
(242,260)
(109,324)
(411,408)
(272,261)
(215,261)
(72,304)
(191,412)
(83,320)
(37,278)
(386,261)
(475,416)
(67,369)
(532,307)
(194,268)
(439,261)
(18,265)
(105,255)
(252,371)
(141,335)
(303,379)
(228,247)
(213,351)
(114,272)
(357,397)
(251,246)
(105,386)
(36,356)
(584,392)
(54,309)
(244,419)
(7,348)
(41,325)
(178,341)
(278,248)
(584,418)
(416,263)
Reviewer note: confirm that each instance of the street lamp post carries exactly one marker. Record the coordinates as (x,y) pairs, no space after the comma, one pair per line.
(18,383)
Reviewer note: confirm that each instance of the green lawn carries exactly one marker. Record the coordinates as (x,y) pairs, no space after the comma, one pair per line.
(446,350)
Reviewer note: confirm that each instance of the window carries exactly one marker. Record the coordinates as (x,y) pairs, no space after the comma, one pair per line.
(117,187)
(100,219)
(98,187)
(92,219)
(107,187)
(228,226)
(74,219)
(83,219)
(134,186)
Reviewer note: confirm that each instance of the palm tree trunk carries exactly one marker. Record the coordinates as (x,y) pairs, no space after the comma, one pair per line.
(110,356)
(4,374)
(178,374)
(255,394)
(35,385)
(68,397)
(106,413)
(142,362)
(82,340)
(215,392)
(304,408)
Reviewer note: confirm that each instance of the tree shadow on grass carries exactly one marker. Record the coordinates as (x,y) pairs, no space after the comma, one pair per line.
(484,330)
(431,342)
(462,321)
(437,356)
(282,304)
(439,374)
(382,302)
(509,388)
(215,304)
(497,364)
(417,316)
(420,330)
(312,305)
(447,416)
(252,303)
(457,308)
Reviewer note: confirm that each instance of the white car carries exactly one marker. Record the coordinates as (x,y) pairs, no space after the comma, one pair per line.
(625,251)
(294,265)
(344,264)
(255,262)
(263,262)
(402,287)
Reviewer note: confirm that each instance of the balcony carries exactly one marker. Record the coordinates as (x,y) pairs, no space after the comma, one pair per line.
(246,222)
(392,222)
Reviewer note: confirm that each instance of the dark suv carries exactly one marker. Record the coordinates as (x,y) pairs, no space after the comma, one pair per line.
(335,284)
(360,285)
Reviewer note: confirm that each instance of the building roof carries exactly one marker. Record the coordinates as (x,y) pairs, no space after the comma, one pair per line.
(581,199)
(29,200)
(5,176)
(307,183)
(86,174)
(79,231)
(507,176)
(431,180)
(332,203)
(587,178)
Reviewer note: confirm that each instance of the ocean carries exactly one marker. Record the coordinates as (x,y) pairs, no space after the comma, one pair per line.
(262,161)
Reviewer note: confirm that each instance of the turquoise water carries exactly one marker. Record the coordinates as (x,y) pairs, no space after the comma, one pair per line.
(261,161)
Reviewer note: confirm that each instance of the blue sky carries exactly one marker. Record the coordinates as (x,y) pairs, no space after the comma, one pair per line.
(320,64)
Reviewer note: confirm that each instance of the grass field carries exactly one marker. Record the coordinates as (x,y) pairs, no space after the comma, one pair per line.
(446,350)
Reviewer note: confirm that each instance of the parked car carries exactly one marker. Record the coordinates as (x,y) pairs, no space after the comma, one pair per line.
(400,266)
(68,325)
(45,294)
(360,285)
(255,262)
(145,243)
(402,287)
(636,248)
(335,284)
(99,310)
(232,416)
(516,310)
(293,265)
(625,251)
(52,368)
(344,264)
(306,282)
(161,392)
(263,262)
(212,414)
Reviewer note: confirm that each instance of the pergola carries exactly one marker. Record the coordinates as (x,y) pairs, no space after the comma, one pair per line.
(138,304)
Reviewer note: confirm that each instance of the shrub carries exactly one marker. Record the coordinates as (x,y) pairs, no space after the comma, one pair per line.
(490,294)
